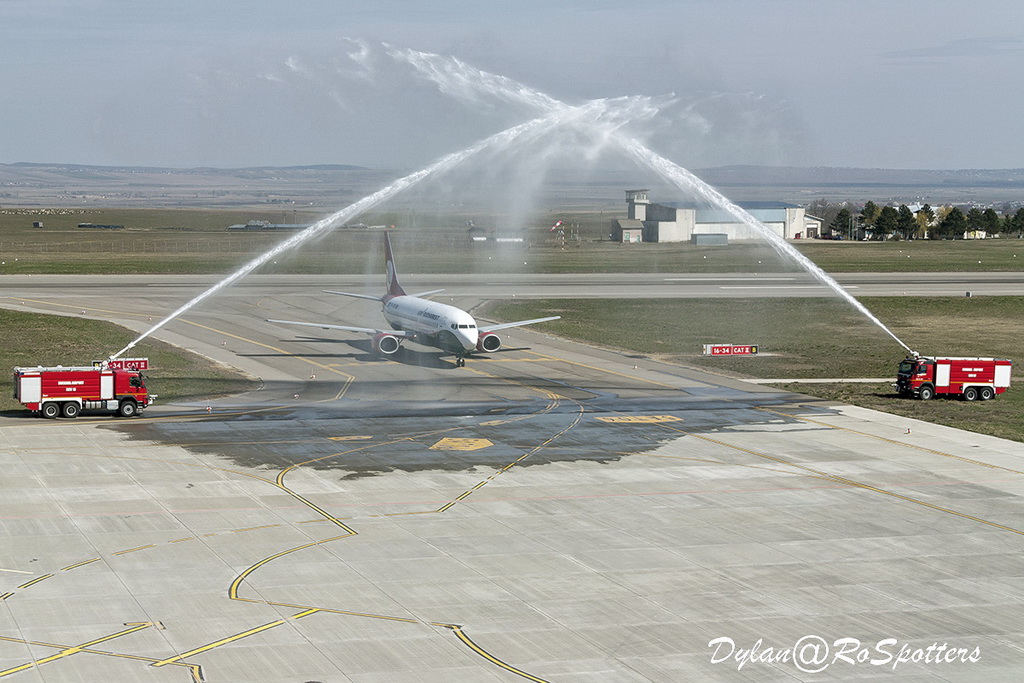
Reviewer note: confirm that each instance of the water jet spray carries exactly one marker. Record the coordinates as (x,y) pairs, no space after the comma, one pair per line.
(458,79)
(533,128)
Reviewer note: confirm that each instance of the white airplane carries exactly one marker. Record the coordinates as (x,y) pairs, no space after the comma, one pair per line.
(426,322)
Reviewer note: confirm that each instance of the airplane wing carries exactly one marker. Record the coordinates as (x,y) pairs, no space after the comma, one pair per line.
(505,326)
(327,326)
(357,296)
(377,298)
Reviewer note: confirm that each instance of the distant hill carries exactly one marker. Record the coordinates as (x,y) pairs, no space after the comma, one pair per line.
(58,185)
(825,176)
(200,170)
(335,185)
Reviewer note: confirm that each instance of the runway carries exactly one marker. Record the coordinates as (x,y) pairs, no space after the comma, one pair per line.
(539,285)
(552,513)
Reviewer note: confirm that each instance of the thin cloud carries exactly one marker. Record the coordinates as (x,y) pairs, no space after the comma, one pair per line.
(963,48)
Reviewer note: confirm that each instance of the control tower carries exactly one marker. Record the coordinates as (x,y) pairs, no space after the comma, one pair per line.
(636,204)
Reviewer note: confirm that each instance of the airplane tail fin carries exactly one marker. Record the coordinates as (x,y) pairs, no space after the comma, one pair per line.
(394,289)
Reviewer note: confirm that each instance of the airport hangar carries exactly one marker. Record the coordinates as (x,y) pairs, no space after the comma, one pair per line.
(687,222)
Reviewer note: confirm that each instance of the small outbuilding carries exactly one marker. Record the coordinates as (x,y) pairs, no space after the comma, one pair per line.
(631,231)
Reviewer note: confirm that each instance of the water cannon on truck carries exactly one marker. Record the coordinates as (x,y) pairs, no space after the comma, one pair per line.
(114,385)
(972,379)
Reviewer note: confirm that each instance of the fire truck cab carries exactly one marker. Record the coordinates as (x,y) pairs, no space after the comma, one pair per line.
(971,378)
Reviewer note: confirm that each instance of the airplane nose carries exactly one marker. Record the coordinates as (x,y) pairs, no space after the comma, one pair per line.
(468,338)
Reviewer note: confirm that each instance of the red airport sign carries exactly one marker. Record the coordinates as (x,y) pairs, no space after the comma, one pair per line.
(125,363)
(730,349)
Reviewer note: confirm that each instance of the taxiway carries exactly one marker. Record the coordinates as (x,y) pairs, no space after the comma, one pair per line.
(553,513)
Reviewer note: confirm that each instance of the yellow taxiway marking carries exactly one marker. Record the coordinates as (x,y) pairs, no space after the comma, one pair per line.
(74,649)
(465,494)
(79,564)
(488,656)
(233,588)
(452,444)
(238,636)
(254,528)
(349,379)
(892,441)
(135,550)
(350,438)
(641,419)
(15,571)
(36,580)
(195,669)
(552,397)
(507,420)
(80,308)
(233,591)
(330,610)
(850,482)
(549,357)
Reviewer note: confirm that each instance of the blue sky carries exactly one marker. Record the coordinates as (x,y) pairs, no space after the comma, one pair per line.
(893,84)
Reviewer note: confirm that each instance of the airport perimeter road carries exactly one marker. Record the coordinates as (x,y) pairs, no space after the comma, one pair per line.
(553,513)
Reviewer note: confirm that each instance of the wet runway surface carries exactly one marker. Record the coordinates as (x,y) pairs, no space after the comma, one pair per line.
(287,436)
(554,513)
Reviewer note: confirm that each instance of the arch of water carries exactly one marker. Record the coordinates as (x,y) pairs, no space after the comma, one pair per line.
(602,119)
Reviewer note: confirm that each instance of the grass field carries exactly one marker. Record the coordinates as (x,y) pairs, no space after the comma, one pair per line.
(800,337)
(193,241)
(33,339)
(810,338)
(916,256)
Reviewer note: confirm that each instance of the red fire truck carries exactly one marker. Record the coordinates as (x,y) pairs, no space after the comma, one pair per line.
(69,390)
(972,378)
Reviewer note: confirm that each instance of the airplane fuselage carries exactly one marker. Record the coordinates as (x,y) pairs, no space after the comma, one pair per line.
(446,327)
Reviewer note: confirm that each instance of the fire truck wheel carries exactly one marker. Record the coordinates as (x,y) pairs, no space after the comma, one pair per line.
(926,392)
(987,394)
(971,394)
(127,408)
(50,410)
(70,409)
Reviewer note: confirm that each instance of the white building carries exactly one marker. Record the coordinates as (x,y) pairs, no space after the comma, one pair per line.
(681,221)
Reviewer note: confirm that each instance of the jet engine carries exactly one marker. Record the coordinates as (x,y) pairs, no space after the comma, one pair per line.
(488,342)
(386,344)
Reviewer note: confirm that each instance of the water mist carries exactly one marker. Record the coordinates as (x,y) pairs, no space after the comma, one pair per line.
(498,142)
(465,82)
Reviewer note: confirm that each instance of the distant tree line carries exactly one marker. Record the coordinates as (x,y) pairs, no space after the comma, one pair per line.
(900,222)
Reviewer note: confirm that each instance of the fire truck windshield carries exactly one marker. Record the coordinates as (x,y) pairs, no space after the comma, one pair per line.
(913,367)
(137,382)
